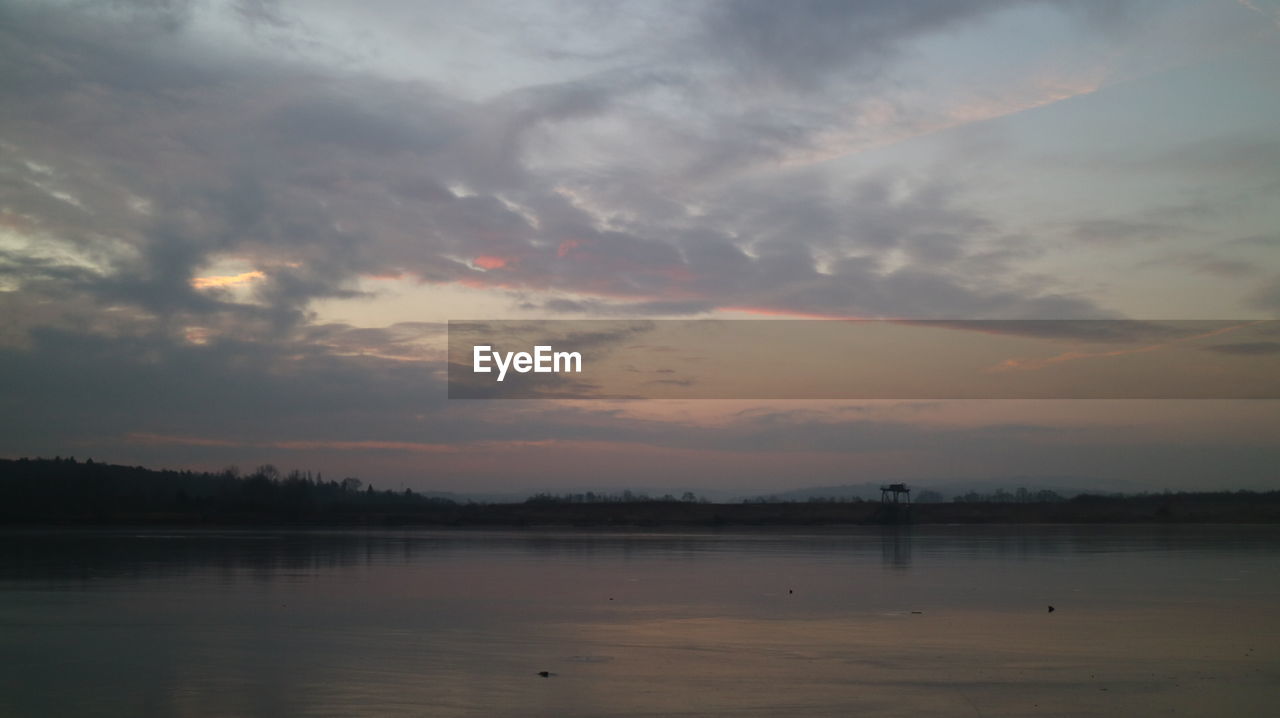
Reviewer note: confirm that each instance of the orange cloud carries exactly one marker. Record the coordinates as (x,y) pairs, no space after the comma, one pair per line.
(197,335)
(488,261)
(567,246)
(226,280)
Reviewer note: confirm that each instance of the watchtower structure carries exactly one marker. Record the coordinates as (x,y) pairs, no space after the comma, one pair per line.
(895,494)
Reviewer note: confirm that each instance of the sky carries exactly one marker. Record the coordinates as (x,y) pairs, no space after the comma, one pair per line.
(233,232)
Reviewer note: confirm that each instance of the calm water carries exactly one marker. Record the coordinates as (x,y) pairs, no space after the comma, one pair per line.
(926,621)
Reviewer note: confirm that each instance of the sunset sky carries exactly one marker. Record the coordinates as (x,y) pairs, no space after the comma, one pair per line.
(232,233)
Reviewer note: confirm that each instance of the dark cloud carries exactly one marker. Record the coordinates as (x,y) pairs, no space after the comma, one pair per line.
(1123,230)
(801,44)
(1205,263)
(41,270)
(327,122)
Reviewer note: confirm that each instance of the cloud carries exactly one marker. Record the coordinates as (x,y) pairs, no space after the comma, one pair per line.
(1205,263)
(226,280)
(194,194)
(1267,296)
(1246,348)
(150,400)
(403,341)
(1105,331)
(1260,241)
(347,175)
(1190,332)
(801,44)
(1121,230)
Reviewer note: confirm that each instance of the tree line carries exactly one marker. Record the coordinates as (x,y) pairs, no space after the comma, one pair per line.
(64,490)
(623,497)
(67,488)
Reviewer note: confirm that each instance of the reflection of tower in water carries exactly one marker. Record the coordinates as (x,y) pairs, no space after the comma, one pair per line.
(895,548)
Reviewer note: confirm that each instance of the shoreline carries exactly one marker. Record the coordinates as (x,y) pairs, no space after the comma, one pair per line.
(1117,511)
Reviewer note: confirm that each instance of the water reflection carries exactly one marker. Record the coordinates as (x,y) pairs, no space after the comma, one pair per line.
(895,548)
(872,621)
(81,555)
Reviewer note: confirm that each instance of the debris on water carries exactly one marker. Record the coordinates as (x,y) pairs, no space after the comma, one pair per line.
(917,612)
(545,674)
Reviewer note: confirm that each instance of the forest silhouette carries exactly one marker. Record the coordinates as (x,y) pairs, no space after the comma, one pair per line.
(67,491)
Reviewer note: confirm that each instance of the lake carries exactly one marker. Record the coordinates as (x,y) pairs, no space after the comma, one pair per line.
(924,620)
